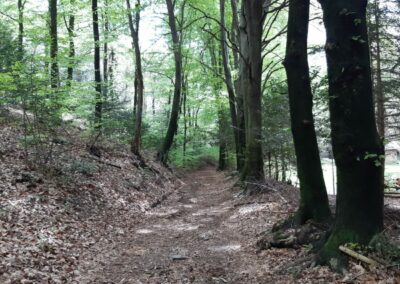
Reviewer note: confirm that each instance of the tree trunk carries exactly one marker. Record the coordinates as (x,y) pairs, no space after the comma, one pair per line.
(185,90)
(313,197)
(235,32)
(54,72)
(71,52)
(239,93)
(174,117)
(380,95)
(357,147)
(250,85)
(139,87)
(97,72)
(230,87)
(222,140)
(105,50)
(21,7)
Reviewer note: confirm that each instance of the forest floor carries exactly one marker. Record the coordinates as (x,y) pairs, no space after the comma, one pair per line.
(204,234)
(110,219)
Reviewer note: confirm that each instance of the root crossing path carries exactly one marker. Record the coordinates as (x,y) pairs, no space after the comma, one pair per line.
(200,234)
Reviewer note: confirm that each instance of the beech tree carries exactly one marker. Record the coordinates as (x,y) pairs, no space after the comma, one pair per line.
(314,199)
(54,72)
(357,147)
(174,115)
(70,25)
(21,7)
(139,87)
(96,61)
(251,29)
(230,86)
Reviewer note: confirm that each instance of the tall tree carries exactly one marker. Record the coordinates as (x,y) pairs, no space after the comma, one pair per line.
(139,87)
(54,71)
(379,93)
(241,139)
(97,71)
(21,7)
(230,86)
(105,48)
(71,35)
(174,116)
(314,199)
(251,23)
(357,147)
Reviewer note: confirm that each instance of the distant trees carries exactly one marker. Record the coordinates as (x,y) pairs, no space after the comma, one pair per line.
(357,147)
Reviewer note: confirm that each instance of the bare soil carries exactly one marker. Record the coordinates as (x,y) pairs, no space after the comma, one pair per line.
(204,234)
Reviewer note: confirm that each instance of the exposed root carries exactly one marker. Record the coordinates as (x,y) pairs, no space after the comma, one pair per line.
(290,236)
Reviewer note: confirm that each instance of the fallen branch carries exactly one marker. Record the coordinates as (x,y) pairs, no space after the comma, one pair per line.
(103,162)
(392,195)
(358,256)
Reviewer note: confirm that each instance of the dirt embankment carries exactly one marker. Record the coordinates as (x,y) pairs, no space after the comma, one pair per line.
(51,216)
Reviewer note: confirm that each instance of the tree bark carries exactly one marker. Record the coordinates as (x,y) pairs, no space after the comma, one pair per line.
(250,85)
(105,50)
(21,7)
(357,147)
(313,197)
(71,52)
(174,116)
(230,87)
(380,95)
(54,71)
(239,93)
(139,86)
(97,72)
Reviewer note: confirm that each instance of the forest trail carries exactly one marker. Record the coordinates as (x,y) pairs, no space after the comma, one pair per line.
(200,234)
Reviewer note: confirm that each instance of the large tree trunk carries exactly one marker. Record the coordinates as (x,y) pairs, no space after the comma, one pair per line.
(54,72)
(71,53)
(97,72)
(250,85)
(356,144)
(230,87)
(174,117)
(139,86)
(313,197)
(239,93)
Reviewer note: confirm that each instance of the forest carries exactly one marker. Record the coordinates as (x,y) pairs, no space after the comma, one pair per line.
(199,141)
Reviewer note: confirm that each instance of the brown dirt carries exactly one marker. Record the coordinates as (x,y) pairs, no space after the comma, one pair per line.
(204,234)
(201,234)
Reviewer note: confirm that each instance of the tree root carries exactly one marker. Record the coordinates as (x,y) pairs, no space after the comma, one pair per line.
(289,235)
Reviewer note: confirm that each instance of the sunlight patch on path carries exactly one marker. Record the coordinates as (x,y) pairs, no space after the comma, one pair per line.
(144,231)
(178,227)
(164,213)
(212,211)
(225,248)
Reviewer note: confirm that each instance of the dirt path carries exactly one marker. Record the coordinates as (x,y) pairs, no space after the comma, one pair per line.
(201,234)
